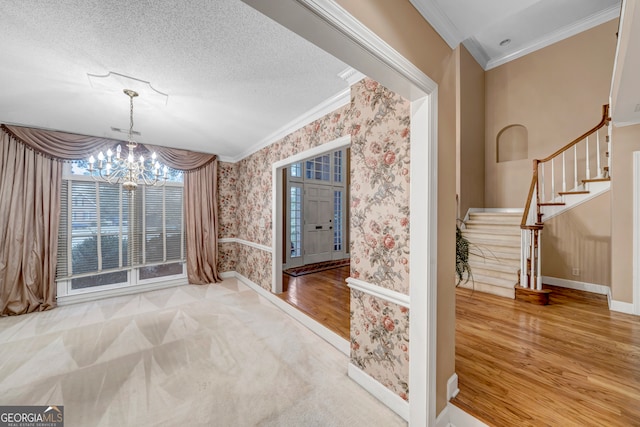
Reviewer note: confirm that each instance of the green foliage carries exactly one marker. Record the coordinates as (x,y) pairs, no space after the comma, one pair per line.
(462,257)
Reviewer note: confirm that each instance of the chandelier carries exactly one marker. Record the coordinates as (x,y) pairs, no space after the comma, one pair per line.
(128,170)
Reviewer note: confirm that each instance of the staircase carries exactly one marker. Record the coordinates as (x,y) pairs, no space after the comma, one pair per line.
(494,251)
(578,171)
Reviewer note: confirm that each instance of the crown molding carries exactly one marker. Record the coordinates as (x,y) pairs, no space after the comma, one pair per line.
(476,50)
(332,104)
(351,76)
(432,13)
(589,22)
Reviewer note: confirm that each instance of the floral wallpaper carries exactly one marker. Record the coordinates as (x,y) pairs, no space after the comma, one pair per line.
(378,122)
(380,187)
(227,256)
(380,341)
(227,200)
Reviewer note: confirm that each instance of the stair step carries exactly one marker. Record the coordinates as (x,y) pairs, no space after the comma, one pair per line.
(476,224)
(552,204)
(568,193)
(500,217)
(492,234)
(504,245)
(480,286)
(596,180)
(504,258)
(493,270)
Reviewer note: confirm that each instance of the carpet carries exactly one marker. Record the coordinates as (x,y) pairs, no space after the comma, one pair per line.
(210,355)
(314,268)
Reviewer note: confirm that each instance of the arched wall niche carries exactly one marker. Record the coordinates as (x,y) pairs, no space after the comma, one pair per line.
(512,143)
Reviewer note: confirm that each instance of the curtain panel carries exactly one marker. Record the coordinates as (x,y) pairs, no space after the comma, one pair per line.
(30,181)
(29,214)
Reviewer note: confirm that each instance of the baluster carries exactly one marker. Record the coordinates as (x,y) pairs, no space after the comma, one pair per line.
(564,173)
(587,171)
(539,259)
(523,258)
(575,166)
(598,153)
(542,182)
(553,181)
(532,275)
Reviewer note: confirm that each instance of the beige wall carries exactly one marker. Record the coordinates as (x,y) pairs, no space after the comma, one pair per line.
(470,133)
(580,238)
(557,93)
(401,26)
(625,141)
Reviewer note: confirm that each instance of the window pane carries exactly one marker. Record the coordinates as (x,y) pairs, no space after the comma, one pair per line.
(99,280)
(337,219)
(156,271)
(174,227)
(337,166)
(110,245)
(83,199)
(295,170)
(296,221)
(84,254)
(153,229)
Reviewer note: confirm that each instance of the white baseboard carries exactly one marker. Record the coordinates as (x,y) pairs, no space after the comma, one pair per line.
(452,387)
(622,307)
(380,392)
(228,275)
(326,334)
(574,284)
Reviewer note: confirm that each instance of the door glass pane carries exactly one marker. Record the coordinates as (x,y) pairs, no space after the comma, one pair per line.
(296,221)
(337,220)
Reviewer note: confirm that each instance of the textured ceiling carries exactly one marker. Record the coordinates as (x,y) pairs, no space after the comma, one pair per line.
(528,24)
(232,76)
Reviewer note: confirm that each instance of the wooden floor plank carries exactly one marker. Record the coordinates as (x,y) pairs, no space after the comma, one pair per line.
(323,296)
(572,363)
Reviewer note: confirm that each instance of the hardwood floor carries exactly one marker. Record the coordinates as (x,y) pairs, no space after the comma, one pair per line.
(324,296)
(571,363)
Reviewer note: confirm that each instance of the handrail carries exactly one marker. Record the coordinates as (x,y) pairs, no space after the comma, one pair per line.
(603,122)
(534,180)
(532,188)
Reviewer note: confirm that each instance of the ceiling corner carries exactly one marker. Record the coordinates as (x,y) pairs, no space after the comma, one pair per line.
(431,12)
(476,50)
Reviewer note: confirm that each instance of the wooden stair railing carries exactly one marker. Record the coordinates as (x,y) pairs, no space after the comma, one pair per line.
(582,158)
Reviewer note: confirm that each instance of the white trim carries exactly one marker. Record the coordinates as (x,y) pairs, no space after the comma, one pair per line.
(636,233)
(476,50)
(328,106)
(351,76)
(329,26)
(573,284)
(594,20)
(379,391)
(460,418)
(379,292)
(97,294)
(336,16)
(423,249)
(625,124)
(228,275)
(326,334)
(246,243)
(452,387)
(622,307)
(439,21)
(452,416)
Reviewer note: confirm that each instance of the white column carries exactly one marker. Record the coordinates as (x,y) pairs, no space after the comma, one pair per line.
(539,261)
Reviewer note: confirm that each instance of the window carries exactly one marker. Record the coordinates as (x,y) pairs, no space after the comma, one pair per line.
(109,236)
(319,168)
(337,220)
(295,210)
(295,170)
(337,166)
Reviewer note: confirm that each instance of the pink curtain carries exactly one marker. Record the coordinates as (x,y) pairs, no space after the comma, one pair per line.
(29,214)
(51,148)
